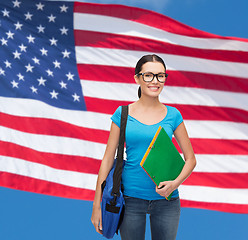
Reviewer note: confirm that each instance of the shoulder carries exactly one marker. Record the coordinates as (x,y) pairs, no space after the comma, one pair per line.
(173,110)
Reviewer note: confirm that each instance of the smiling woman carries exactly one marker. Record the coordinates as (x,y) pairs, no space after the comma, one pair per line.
(140,193)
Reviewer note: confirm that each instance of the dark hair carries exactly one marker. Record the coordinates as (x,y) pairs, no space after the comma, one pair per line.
(145,59)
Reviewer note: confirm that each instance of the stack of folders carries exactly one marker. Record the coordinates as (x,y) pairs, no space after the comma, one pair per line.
(162,161)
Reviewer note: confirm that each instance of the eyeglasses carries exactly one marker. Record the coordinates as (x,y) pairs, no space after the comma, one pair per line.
(149,76)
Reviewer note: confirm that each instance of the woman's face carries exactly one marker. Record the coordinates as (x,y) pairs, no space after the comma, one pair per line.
(153,88)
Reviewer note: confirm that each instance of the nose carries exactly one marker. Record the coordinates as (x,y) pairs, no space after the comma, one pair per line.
(155,78)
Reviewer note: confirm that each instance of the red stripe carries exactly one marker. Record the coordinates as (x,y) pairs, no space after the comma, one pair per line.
(117,41)
(217,146)
(189,112)
(19,182)
(223,207)
(219,180)
(52,127)
(58,161)
(176,78)
(146,17)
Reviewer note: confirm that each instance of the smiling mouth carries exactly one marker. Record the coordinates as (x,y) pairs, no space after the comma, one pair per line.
(153,88)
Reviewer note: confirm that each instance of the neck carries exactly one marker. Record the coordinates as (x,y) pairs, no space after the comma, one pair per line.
(149,102)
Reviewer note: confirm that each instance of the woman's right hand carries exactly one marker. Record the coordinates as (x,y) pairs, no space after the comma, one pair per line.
(96,219)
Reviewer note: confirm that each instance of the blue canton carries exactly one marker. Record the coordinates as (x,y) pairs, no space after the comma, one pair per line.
(37,50)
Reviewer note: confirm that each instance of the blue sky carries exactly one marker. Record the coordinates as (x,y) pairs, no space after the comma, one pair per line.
(29,216)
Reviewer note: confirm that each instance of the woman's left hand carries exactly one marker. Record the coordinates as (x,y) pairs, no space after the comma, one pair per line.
(166,188)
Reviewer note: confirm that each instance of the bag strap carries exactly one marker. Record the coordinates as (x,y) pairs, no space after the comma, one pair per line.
(120,152)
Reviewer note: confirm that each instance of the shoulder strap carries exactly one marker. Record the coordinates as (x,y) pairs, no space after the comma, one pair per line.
(120,152)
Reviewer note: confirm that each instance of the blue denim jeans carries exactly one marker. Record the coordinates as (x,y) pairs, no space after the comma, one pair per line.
(164,218)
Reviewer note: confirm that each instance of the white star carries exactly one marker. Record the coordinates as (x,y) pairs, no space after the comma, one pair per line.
(20,76)
(34,90)
(76,97)
(53,41)
(10,34)
(18,26)
(7,64)
(29,68)
(23,48)
(63,30)
(70,76)
(30,38)
(2,72)
(66,54)
(16,3)
(56,64)
(16,54)
(5,13)
(49,72)
(14,84)
(43,51)
(63,85)
(40,6)
(41,81)
(41,28)
(54,94)
(28,16)
(51,18)
(36,60)
(4,42)
(63,8)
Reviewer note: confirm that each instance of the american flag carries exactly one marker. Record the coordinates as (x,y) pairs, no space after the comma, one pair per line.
(64,69)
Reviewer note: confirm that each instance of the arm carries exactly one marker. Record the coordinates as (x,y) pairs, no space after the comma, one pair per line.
(106,165)
(183,140)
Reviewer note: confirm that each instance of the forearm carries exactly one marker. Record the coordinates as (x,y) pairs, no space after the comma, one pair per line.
(186,171)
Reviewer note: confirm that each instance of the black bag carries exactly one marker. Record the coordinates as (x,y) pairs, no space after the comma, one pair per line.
(112,197)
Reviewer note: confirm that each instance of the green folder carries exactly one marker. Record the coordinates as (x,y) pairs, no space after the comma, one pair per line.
(162,161)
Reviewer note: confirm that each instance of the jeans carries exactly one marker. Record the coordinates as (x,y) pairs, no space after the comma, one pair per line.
(164,218)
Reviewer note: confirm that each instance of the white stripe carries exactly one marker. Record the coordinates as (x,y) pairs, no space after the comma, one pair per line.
(100,23)
(32,108)
(170,95)
(196,129)
(215,195)
(42,172)
(127,58)
(221,163)
(53,144)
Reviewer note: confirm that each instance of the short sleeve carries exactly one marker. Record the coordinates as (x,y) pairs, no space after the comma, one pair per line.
(178,119)
(116,117)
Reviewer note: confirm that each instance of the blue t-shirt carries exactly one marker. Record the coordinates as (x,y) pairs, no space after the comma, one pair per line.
(135,180)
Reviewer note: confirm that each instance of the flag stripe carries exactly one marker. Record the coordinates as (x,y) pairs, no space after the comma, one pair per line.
(225,207)
(118,41)
(31,184)
(58,161)
(221,163)
(128,58)
(192,96)
(54,144)
(189,112)
(176,78)
(46,173)
(74,179)
(120,16)
(212,194)
(218,180)
(53,128)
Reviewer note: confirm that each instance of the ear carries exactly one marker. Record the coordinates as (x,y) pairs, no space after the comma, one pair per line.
(136,79)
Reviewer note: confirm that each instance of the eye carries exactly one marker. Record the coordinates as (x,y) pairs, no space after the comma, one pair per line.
(148,75)
(161,75)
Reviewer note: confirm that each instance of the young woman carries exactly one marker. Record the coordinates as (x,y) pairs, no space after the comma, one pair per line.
(141,194)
